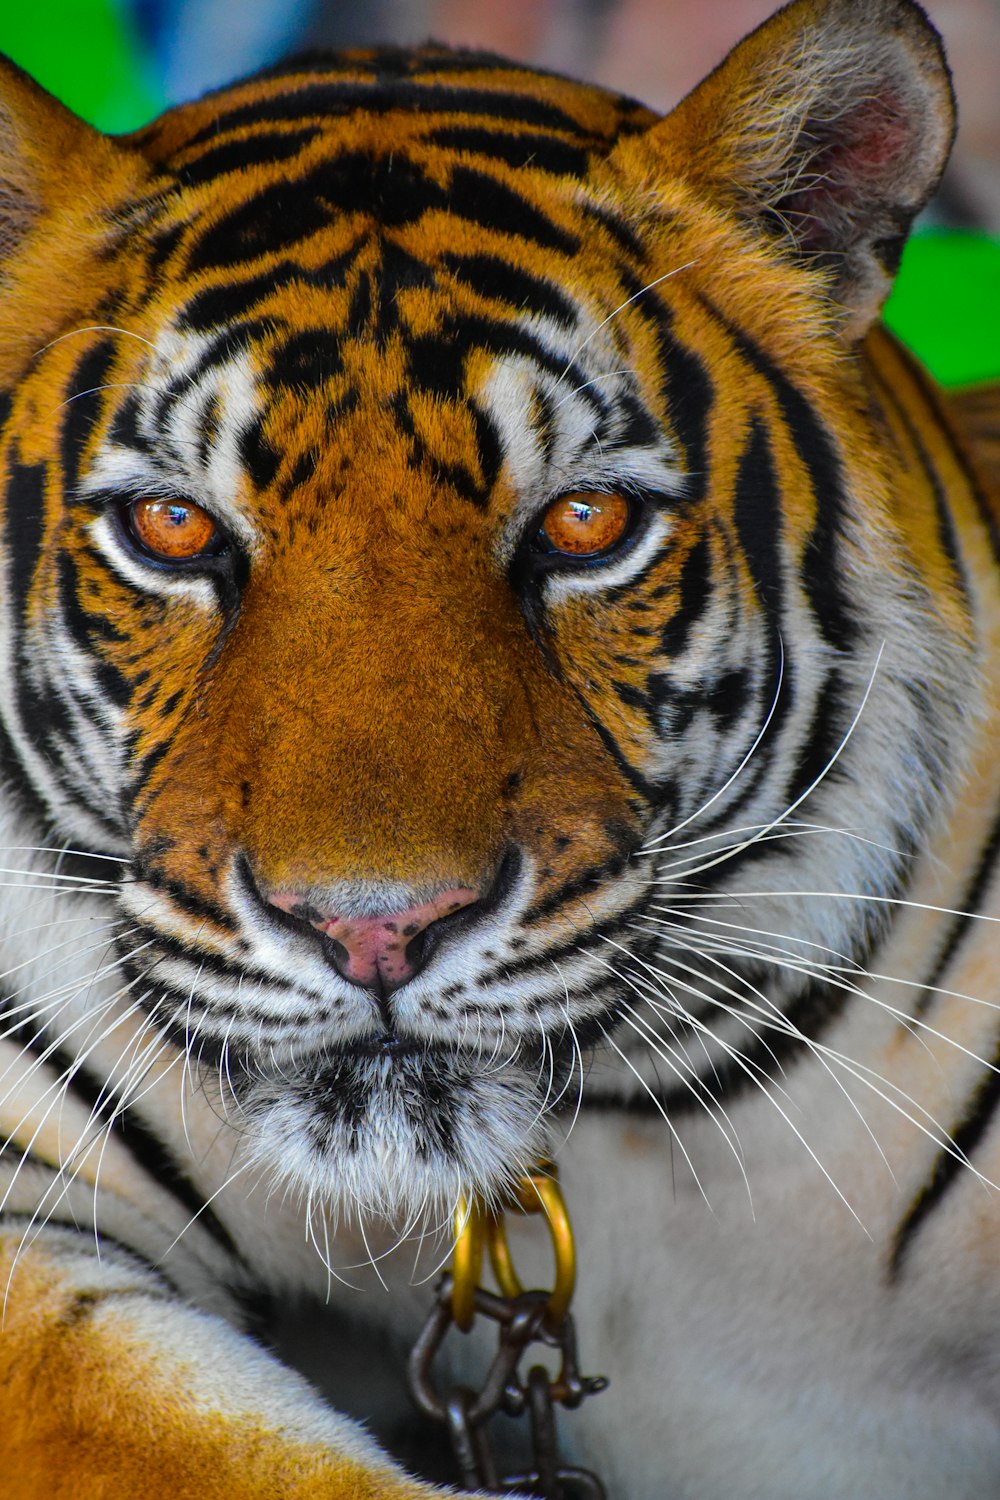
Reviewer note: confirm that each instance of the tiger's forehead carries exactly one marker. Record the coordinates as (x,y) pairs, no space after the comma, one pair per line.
(448,100)
(435,150)
(275,423)
(387,262)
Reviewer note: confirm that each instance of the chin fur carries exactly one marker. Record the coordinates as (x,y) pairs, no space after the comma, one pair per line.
(397,1137)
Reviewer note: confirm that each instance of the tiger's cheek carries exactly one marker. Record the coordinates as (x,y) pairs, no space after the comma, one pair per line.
(633,652)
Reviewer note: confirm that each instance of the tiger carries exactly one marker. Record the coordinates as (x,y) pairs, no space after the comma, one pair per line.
(501,664)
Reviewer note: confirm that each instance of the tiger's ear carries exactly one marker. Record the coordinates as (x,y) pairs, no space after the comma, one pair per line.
(830,126)
(60,182)
(41,146)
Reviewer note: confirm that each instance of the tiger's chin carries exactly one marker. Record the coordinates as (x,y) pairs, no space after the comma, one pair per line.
(399,1133)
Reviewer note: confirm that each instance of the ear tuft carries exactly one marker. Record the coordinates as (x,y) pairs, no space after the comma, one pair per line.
(829,126)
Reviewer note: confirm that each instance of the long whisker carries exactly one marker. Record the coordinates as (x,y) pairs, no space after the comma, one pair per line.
(762,731)
(621,308)
(659,1107)
(96,328)
(709,864)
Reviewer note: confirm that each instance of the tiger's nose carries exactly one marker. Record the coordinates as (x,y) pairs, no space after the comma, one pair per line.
(380,952)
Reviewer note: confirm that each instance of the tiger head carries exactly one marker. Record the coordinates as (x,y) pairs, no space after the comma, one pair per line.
(448,538)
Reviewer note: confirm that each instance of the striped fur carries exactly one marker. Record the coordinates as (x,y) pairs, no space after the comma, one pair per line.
(719,804)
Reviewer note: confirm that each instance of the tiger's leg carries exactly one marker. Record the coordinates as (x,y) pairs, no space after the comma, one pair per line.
(114,1388)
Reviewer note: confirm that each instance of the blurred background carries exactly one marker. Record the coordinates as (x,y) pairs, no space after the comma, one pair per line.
(119,62)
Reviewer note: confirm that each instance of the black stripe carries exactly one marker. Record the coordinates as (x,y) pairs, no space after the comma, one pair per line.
(31,804)
(649,791)
(43,718)
(437,361)
(821,573)
(182,896)
(24,530)
(191,1030)
(343,96)
(150,944)
(274,219)
(527,149)
(688,389)
(581,884)
(469,486)
(624,235)
(574,947)
(759,524)
(146,1148)
(87,630)
(947,537)
(306,360)
(260,149)
(497,277)
(232,300)
(771,1053)
(398,274)
(971,903)
(257,455)
(141,770)
(125,429)
(212,1051)
(161,247)
(391,189)
(488,447)
(82,408)
(637,425)
(947,1166)
(693,595)
(481,199)
(815,758)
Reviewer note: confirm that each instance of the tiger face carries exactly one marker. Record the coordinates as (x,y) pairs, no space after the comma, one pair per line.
(451,561)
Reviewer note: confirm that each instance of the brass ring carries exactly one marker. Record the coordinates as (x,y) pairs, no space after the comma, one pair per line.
(537,1193)
(466,1262)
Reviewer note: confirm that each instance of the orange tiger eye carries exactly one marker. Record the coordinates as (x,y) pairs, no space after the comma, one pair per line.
(173,529)
(586,524)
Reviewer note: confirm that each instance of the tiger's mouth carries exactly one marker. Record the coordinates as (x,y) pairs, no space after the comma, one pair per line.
(393,1047)
(392,1127)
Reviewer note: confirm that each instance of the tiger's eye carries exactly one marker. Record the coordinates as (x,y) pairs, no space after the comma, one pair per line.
(175,530)
(585,524)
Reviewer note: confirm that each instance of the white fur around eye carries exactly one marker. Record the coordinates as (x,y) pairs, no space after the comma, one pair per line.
(150,579)
(560,584)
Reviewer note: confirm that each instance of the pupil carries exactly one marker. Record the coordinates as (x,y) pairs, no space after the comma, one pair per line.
(581,511)
(177,515)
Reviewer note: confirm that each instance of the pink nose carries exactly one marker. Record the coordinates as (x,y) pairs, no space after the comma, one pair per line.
(376,947)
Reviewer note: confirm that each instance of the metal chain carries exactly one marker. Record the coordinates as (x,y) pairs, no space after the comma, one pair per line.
(465,1412)
(522,1318)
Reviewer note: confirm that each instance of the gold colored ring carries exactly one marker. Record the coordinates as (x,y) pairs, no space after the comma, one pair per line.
(538,1193)
(466,1262)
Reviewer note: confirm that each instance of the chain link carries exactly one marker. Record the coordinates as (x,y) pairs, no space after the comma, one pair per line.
(521,1320)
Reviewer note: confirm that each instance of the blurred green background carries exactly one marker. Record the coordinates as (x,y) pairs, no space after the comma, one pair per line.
(92,54)
(88,53)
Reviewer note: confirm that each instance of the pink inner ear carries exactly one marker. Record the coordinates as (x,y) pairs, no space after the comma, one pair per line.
(873,137)
(859,162)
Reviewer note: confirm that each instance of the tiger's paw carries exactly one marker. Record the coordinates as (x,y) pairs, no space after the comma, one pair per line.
(115,1389)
